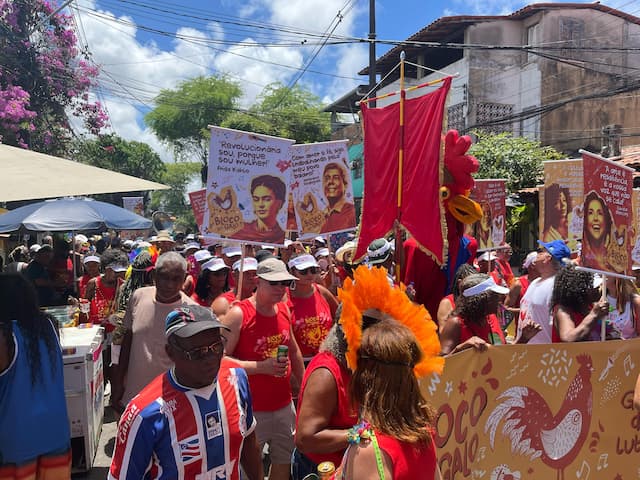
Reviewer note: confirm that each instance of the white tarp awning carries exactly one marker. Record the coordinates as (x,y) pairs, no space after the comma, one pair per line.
(28,175)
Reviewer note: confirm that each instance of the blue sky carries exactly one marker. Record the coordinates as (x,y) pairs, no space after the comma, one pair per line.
(145,45)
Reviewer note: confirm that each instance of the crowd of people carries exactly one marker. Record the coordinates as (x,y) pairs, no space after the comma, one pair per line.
(220,356)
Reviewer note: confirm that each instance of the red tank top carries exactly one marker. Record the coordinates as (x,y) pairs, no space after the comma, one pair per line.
(577,320)
(102,305)
(451,301)
(259,338)
(230,296)
(343,417)
(311,318)
(409,460)
(490,332)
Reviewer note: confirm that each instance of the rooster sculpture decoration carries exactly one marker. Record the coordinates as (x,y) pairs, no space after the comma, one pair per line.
(432,281)
(535,431)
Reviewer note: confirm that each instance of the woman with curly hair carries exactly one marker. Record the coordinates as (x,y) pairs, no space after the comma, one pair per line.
(34,443)
(474,324)
(575,306)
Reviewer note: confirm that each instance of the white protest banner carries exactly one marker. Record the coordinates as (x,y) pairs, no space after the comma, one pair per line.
(322,190)
(247,187)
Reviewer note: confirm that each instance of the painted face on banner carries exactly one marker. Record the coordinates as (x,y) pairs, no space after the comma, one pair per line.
(333,184)
(595,219)
(265,203)
(561,204)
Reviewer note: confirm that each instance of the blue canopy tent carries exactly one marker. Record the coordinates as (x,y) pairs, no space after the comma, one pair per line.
(71,215)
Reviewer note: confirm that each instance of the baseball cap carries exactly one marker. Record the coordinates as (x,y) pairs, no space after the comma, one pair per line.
(287,242)
(232,251)
(320,239)
(486,256)
(267,247)
(379,251)
(91,258)
(250,263)
(273,269)
(303,261)
(488,284)
(202,255)
(192,246)
(557,248)
(529,259)
(215,264)
(187,321)
(322,252)
(34,248)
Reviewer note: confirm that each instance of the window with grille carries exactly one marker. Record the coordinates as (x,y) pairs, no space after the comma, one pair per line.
(455,117)
(486,113)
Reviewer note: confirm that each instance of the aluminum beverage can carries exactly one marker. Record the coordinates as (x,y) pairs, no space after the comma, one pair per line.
(326,469)
(283,353)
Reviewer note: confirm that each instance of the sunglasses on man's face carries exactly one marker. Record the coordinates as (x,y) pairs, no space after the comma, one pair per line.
(281,283)
(200,353)
(307,271)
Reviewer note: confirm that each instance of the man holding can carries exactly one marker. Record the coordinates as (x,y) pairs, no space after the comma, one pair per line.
(259,331)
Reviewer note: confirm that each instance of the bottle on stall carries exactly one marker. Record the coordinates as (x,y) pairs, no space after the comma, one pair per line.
(83,311)
(326,470)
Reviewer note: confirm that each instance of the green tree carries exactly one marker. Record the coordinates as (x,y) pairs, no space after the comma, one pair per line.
(516,159)
(181,116)
(119,155)
(178,176)
(286,112)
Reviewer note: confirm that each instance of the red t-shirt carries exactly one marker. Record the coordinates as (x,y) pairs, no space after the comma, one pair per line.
(259,338)
(409,460)
(343,417)
(102,305)
(199,300)
(229,295)
(311,319)
(490,332)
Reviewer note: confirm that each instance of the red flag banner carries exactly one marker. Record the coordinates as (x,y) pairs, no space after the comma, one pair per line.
(421,210)
(608,216)
(490,229)
(197,200)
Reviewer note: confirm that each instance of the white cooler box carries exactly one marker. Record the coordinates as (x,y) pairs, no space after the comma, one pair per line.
(84,391)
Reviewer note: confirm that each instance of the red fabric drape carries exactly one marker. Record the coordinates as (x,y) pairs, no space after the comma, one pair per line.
(422,213)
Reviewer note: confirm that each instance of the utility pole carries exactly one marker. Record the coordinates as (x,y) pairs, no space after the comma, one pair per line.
(372,51)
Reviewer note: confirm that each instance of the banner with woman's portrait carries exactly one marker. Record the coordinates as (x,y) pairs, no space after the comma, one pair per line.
(561,215)
(247,187)
(608,215)
(489,231)
(322,190)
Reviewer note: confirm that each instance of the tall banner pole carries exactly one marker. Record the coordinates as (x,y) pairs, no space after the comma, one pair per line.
(398,231)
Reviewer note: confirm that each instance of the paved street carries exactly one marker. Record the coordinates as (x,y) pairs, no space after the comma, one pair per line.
(105,449)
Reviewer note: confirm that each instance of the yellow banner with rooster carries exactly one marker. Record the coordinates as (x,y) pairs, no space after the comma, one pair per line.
(560,411)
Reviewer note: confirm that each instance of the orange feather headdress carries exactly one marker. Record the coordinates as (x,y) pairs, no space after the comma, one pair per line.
(370,289)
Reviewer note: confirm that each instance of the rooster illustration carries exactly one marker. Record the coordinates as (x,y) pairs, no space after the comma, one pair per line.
(225,202)
(535,432)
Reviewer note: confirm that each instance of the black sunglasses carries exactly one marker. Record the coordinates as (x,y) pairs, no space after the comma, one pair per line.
(199,353)
(308,270)
(281,283)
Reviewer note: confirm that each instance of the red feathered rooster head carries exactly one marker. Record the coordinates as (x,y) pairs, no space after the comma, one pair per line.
(458,182)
